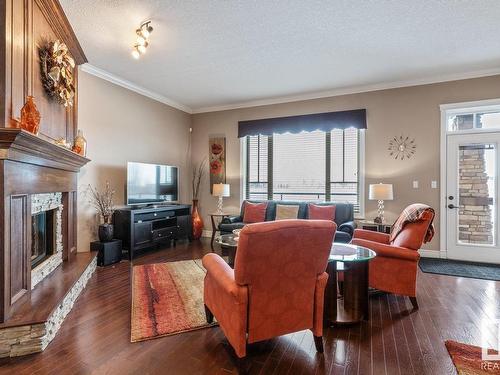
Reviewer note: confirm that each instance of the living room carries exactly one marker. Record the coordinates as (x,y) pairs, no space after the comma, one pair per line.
(250,187)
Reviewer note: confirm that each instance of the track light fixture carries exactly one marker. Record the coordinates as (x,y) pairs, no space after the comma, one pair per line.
(143,33)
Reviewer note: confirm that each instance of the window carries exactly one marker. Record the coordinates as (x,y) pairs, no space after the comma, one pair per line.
(308,166)
(473,120)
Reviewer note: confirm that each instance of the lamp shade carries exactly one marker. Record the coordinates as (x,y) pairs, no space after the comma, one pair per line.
(381,192)
(220,190)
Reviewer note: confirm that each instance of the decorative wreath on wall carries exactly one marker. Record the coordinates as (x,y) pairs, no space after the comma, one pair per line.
(56,67)
(402,147)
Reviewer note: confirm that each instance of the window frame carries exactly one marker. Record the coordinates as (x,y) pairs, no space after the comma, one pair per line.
(361,171)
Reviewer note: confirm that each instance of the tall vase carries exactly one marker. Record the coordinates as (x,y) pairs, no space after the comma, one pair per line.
(197,221)
(30,117)
(106,230)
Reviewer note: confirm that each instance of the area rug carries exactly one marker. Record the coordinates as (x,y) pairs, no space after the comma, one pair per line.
(461,269)
(467,359)
(167,298)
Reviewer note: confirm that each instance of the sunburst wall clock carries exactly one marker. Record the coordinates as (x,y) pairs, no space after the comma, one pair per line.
(402,147)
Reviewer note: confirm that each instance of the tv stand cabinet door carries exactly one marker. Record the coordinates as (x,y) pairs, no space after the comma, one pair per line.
(184,227)
(142,234)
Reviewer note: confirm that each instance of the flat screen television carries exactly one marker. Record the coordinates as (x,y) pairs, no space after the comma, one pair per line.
(151,183)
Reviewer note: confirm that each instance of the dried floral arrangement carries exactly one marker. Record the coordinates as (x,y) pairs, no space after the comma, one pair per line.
(198,173)
(102,201)
(56,67)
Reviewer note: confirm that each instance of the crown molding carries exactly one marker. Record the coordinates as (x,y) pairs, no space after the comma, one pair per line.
(88,68)
(352,90)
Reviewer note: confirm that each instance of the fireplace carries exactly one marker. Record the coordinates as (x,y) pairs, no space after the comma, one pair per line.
(46,235)
(43,241)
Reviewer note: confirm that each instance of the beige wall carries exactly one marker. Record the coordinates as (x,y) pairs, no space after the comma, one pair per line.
(122,126)
(411,111)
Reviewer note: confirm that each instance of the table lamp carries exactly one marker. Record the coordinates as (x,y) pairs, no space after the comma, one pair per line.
(380,192)
(220,190)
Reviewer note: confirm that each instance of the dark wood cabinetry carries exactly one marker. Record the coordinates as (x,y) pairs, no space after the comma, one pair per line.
(142,228)
(32,164)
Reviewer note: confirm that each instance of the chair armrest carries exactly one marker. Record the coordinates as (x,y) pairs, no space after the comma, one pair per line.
(223,275)
(388,251)
(227,301)
(232,219)
(347,227)
(371,236)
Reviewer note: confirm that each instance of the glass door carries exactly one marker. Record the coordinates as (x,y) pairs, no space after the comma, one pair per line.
(472,197)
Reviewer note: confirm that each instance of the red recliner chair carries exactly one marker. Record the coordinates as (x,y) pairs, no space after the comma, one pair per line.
(394,269)
(277,285)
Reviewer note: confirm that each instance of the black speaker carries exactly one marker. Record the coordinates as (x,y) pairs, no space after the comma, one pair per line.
(109,252)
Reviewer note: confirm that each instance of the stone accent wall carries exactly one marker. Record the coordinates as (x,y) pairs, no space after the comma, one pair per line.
(475,219)
(41,203)
(22,340)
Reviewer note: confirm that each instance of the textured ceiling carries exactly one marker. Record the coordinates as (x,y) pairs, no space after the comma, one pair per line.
(220,52)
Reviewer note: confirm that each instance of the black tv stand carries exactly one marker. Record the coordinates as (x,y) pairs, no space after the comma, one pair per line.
(150,227)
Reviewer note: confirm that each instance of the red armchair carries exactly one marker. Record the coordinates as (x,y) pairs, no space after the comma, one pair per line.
(277,285)
(394,269)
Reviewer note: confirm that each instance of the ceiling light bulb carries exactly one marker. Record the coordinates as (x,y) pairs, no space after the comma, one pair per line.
(144,32)
(136,54)
(141,48)
(141,40)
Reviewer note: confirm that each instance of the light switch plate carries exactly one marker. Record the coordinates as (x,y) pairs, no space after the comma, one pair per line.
(415,184)
(434,184)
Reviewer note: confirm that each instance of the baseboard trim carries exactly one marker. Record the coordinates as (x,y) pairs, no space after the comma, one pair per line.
(430,253)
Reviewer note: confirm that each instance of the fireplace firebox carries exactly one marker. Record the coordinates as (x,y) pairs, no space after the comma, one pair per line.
(43,242)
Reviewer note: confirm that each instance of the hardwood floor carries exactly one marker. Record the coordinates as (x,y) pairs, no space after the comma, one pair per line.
(95,338)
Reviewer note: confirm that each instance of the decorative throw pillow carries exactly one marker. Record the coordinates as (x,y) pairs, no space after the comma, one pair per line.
(254,212)
(286,211)
(321,212)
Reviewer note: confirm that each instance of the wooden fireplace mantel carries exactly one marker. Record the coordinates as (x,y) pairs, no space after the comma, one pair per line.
(22,146)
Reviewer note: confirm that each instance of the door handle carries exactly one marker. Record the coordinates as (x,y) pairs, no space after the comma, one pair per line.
(452,206)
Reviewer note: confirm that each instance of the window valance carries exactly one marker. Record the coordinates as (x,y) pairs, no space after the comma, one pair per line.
(295,124)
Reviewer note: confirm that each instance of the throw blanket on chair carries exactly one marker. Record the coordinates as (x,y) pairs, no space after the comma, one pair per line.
(411,214)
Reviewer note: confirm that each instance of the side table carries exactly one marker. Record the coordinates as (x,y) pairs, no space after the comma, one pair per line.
(215,227)
(352,307)
(377,227)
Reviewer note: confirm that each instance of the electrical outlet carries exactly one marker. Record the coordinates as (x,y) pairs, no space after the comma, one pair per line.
(434,184)
(415,184)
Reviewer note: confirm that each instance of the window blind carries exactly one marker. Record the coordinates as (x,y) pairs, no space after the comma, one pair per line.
(257,167)
(308,166)
(299,163)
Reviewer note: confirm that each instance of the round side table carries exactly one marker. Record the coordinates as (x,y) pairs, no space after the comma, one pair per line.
(352,307)
(215,227)
(229,243)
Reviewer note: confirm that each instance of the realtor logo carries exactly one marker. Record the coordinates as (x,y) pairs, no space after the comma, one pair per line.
(490,329)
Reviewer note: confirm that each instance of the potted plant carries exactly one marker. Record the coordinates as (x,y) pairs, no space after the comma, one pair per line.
(197,221)
(102,201)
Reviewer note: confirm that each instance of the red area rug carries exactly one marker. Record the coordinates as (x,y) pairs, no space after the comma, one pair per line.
(167,298)
(468,361)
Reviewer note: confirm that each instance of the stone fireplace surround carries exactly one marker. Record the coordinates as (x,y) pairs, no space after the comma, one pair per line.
(40,203)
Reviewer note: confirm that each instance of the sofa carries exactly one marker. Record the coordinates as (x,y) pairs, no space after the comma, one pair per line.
(344,217)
